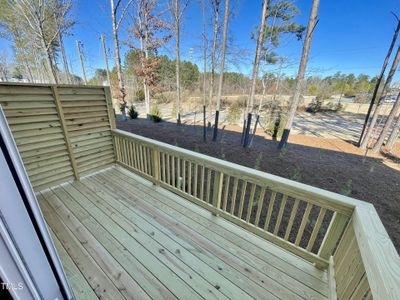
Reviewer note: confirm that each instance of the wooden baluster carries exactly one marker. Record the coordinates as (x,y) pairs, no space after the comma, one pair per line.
(164,178)
(178,172)
(195,166)
(156,165)
(269,211)
(202,183)
(303,224)
(291,218)
(280,214)
(234,194)
(208,191)
(316,229)
(139,161)
(183,188)
(251,200)
(189,180)
(242,198)
(173,171)
(217,189)
(226,192)
(260,206)
(141,157)
(168,170)
(149,160)
(129,144)
(133,155)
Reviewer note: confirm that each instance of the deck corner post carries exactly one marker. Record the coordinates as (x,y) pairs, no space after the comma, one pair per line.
(332,236)
(57,101)
(217,190)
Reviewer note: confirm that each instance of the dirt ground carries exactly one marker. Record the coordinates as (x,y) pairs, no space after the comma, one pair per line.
(332,164)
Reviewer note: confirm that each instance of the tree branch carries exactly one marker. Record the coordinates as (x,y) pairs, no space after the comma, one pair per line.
(123,13)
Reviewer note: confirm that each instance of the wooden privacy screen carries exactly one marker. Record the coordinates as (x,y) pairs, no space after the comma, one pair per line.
(62,132)
(350,275)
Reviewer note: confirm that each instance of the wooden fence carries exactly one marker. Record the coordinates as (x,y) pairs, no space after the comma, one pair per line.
(62,132)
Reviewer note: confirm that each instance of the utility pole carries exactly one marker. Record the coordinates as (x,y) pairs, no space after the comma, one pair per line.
(78,46)
(106,59)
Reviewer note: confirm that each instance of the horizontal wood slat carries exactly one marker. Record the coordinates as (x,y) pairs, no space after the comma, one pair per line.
(51,124)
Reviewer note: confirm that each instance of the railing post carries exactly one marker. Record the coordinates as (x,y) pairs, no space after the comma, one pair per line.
(334,232)
(156,164)
(217,189)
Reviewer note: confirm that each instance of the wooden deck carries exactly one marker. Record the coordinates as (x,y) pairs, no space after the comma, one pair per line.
(121,237)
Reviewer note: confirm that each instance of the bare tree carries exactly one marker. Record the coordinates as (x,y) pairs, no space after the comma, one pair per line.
(254,76)
(385,91)
(147,27)
(204,36)
(116,23)
(215,5)
(37,21)
(64,58)
(221,71)
(380,78)
(300,76)
(389,124)
(177,9)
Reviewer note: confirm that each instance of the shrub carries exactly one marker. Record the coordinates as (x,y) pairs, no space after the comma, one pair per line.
(315,106)
(155,114)
(276,125)
(139,96)
(132,112)
(234,112)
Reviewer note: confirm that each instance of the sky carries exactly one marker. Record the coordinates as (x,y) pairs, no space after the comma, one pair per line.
(352,36)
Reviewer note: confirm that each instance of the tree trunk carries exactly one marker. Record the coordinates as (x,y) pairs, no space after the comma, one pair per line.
(216,24)
(49,58)
(300,76)
(254,76)
(379,81)
(117,55)
(394,135)
(203,9)
(386,88)
(177,63)
(388,125)
(221,72)
(64,58)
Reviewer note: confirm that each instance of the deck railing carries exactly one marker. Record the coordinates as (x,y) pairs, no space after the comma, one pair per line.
(324,228)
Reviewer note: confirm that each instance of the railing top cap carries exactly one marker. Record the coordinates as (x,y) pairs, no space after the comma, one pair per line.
(272,180)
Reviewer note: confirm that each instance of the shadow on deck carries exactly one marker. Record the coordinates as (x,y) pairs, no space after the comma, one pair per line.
(119,236)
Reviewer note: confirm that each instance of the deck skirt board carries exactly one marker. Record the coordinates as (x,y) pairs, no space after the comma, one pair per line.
(148,243)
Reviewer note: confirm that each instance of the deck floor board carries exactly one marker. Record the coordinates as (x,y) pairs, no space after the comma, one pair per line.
(146,242)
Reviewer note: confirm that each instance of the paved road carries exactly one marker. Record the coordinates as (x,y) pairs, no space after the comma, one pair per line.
(342,125)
